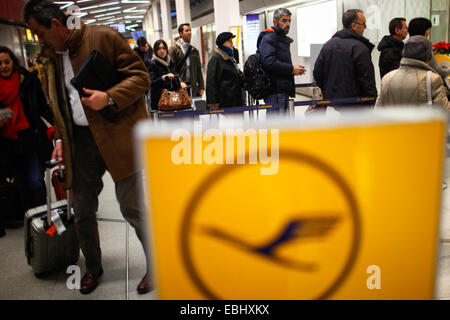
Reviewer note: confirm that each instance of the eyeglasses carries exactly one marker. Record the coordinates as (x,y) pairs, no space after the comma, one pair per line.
(361,24)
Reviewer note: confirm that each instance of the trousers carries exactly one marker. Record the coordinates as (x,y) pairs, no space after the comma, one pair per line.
(88,170)
(277,101)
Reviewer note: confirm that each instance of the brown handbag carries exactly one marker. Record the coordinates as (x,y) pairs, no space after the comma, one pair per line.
(174,100)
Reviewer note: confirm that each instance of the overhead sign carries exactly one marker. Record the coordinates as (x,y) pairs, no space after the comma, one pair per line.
(119,27)
(252,29)
(339,211)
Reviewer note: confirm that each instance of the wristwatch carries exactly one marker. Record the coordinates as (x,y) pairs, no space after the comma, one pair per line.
(109,111)
(111,101)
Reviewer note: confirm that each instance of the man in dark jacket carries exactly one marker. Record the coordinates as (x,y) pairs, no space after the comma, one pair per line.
(274,47)
(344,67)
(391,47)
(224,79)
(144,51)
(187,61)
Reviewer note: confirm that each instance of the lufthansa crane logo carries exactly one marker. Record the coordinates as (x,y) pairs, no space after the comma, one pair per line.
(294,235)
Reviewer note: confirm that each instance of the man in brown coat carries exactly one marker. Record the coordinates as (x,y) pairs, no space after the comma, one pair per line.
(89,143)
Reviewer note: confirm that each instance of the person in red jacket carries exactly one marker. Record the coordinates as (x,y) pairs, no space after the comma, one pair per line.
(24,143)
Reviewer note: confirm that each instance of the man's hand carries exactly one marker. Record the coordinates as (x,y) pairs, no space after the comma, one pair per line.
(97,100)
(183,85)
(200,92)
(298,70)
(170,76)
(58,151)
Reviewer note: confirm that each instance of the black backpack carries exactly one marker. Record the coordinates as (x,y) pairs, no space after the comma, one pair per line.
(256,79)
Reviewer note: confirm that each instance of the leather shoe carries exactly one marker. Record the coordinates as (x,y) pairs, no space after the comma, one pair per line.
(89,282)
(145,285)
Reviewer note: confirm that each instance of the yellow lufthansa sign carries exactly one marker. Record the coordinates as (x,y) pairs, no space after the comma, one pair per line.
(342,211)
(235,30)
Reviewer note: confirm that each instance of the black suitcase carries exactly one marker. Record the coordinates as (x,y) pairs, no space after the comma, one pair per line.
(50,237)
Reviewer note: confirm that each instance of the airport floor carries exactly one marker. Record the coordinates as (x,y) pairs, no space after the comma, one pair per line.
(17,281)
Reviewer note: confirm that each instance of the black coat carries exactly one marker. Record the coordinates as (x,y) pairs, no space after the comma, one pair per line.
(344,67)
(223,81)
(391,53)
(274,48)
(145,56)
(35,138)
(157,70)
(35,106)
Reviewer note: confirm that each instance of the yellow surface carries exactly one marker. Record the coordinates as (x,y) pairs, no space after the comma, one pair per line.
(364,195)
(236,30)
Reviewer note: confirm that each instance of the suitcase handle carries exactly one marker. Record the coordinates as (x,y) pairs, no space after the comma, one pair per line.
(52,163)
(48,166)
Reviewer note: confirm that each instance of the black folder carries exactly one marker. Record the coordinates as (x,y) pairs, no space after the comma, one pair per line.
(97,74)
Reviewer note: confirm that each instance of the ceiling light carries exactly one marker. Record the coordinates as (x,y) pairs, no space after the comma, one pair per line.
(135,1)
(103,10)
(134,10)
(80,15)
(105,18)
(87,8)
(112,13)
(98,11)
(108,4)
(65,4)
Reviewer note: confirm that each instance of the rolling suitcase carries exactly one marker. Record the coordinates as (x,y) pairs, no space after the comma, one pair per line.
(50,237)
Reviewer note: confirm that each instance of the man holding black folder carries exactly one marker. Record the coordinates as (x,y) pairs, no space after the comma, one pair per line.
(94,130)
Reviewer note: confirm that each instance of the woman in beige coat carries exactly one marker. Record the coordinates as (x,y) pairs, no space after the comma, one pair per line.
(408,84)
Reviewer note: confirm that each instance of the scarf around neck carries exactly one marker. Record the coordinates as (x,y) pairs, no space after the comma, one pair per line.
(9,96)
(227,50)
(165,62)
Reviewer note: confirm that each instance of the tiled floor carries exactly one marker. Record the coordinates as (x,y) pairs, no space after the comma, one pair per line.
(17,281)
